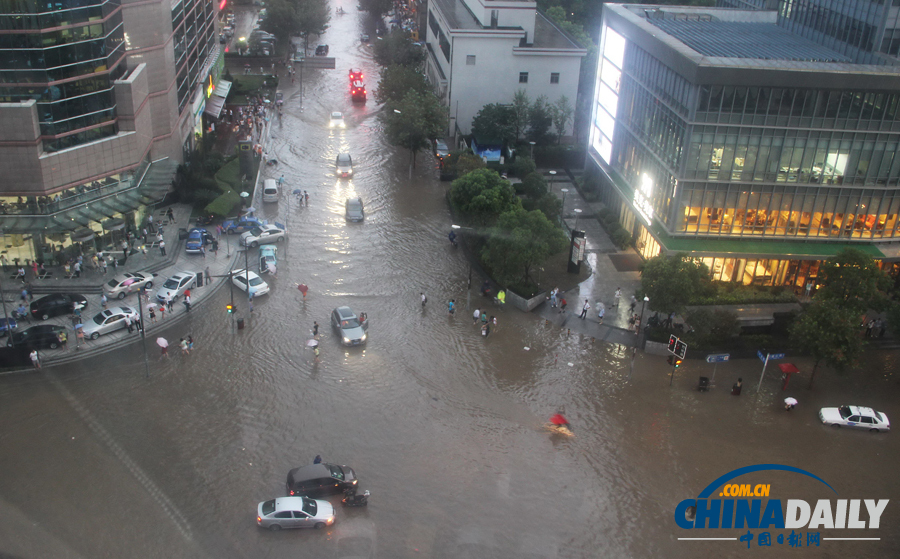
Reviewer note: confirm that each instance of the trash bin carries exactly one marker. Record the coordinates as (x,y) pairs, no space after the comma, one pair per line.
(704,384)
(240,323)
(182,233)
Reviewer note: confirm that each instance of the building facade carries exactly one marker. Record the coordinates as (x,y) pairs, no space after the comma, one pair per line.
(724,134)
(98,103)
(484,51)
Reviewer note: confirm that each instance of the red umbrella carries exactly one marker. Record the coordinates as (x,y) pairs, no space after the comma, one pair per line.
(559,419)
(303,288)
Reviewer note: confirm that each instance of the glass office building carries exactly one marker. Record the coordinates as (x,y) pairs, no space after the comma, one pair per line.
(64,55)
(723,134)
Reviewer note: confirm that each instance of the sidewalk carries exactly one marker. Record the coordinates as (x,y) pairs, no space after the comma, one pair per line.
(606,275)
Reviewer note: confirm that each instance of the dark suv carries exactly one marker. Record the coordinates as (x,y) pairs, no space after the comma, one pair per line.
(56,304)
(322,50)
(320,479)
(42,336)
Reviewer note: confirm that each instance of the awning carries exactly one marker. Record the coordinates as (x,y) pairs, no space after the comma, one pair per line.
(222,89)
(214,106)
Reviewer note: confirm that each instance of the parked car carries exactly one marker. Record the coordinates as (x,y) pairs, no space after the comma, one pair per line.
(336,120)
(240,278)
(266,257)
(349,326)
(353,210)
(56,304)
(262,235)
(110,320)
(322,50)
(440,149)
(317,480)
(855,416)
(42,336)
(129,282)
(294,512)
(7,325)
(240,224)
(175,286)
(343,165)
(197,238)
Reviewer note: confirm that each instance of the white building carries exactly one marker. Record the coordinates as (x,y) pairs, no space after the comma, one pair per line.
(484,51)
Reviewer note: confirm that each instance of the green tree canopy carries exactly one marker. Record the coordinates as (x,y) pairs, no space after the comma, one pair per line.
(828,332)
(520,241)
(396,80)
(482,195)
(672,281)
(283,19)
(539,120)
(398,48)
(414,121)
(376,7)
(521,106)
(854,279)
(495,122)
(562,112)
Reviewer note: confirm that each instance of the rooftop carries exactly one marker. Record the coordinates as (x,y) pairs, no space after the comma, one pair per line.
(547,35)
(741,39)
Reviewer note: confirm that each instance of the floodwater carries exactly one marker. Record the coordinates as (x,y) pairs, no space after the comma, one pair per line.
(443,426)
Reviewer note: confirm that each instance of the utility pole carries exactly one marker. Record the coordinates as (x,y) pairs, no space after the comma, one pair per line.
(9,332)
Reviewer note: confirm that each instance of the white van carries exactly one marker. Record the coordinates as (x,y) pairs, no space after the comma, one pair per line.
(270,191)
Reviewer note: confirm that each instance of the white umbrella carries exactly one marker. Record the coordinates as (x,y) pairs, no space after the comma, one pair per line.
(312,343)
(162,342)
(790,401)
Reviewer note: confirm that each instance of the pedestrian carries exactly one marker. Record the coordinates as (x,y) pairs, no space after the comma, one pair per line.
(281,180)
(272,269)
(618,296)
(554,297)
(424,299)
(315,329)
(306,197)
(317,459)
(475,316)
(152,310)
(162,247)
(451,304)
(171,215)
(128,324)
(562,305)
(185,350)
(484,317)
(190,341)
(203,251)
(316,351)
(162,312)
(20,274)
(215,247)
(494,320)
(24,294)
(303,289)
(34,268)
(103,300)
(35,360)
(601,311)
(103,265)
(584,309)
(633,303)
(187,303)
(736,389)
(170,302)
(63,337)
(869,327)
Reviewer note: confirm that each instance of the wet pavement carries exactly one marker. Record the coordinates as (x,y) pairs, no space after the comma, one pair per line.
(443,426)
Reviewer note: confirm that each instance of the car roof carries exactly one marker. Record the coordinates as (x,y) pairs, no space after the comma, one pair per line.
(289,503)
(265,249)
(311,471)
(861,410)
(43,328)
(345,312)
(337,114)
(243,272)
(180,275)
(343,155)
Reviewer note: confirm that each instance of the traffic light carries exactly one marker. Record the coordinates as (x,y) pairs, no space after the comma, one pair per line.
(672,341)
(677,363)
(229,308)
(680,349)
(669,359)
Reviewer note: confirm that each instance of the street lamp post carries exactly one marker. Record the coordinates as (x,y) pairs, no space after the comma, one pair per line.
(469,281)
(644,304)
(532,150)
(562,209)
(577,213)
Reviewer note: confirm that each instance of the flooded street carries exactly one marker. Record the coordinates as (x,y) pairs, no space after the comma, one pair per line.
(444,427)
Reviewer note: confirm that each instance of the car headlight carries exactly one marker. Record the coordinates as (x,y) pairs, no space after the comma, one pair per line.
(364,337)
(346,340)
(330,520)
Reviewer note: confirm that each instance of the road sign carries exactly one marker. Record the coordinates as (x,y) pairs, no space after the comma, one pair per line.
(776,356)
(761,356)
(680,349)
(718,357)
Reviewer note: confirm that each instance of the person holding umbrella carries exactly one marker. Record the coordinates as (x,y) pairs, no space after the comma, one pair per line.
(789,403)
(303,289)
(164,346)
(560,424)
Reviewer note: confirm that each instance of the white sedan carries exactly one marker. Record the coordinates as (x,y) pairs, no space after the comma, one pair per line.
(242,278)
(337,120)
(175,286)
(263,235)
(855,416)
(130,282)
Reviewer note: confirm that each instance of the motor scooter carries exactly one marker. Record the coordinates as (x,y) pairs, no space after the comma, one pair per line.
(351,499)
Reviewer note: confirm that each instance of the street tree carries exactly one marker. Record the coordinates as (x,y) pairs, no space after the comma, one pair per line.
(467,162)
(376,7)
(854,279)
(520,241)
(314,16)
(539,121)
(396,80)
(521,106)
(561,111)
(672,281)
(413,122)
(398,48)
(283,19)
(495,122)
(829,333)
(482,195)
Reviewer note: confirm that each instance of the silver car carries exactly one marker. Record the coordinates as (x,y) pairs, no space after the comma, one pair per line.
(108,321)
(294,512)
(175,286)
(351,328)
(354,210)
(130,282)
